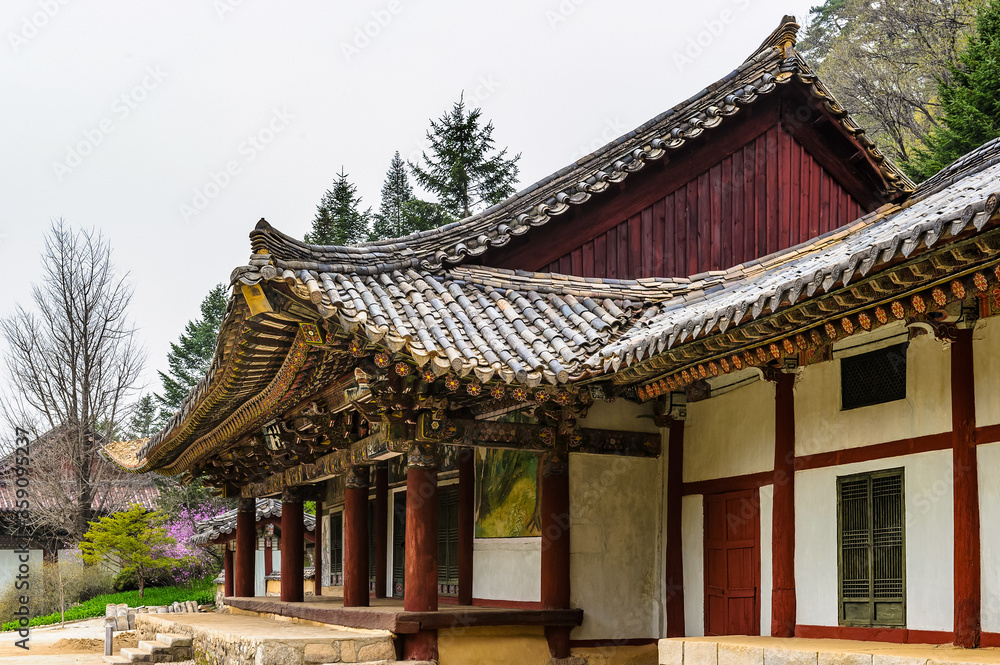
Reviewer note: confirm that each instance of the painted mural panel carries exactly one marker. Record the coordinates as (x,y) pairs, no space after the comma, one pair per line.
(507,501)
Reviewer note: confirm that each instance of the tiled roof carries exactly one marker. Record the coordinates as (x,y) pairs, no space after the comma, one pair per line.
(961,198)
(225,524)
(408,296)
(774,64)
(114,496)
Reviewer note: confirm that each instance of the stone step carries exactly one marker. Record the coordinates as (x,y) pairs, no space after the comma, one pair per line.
(153,646)
(139,656)
(174,639)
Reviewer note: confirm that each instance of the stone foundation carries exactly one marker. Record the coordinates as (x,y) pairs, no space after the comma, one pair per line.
(224,639)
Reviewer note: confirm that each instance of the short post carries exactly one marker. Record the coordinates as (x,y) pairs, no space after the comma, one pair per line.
(109,640)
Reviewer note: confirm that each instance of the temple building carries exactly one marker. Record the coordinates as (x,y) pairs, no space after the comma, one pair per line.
(731,374)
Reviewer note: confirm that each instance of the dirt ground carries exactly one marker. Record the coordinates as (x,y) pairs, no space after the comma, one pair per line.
(80,642)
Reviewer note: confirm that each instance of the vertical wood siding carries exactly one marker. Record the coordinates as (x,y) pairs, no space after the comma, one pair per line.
(768,195)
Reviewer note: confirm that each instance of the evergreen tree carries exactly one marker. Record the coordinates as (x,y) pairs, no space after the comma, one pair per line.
(396,192)
(339,220)
(143,421)
(970,100)
(400,213)
(464,170)
(191,355)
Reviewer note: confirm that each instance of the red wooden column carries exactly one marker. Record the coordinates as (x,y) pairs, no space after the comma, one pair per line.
(783,510)
(318,550)
(227,568)
(292,547)
(965,472)
(268,557)
(555,546)
(421,591)
(466,522)
(381,526)
(675,553)
(356,538)
(244,563)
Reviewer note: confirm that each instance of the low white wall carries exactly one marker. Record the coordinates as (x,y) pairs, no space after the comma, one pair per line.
(10,564)
(989,517)
(929,512)
(507,568)
(730,435)
(821,425)
(615,570)
(766,519)
(986,363)
(693,539)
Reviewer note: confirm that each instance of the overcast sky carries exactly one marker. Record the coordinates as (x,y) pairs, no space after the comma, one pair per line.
(174,126)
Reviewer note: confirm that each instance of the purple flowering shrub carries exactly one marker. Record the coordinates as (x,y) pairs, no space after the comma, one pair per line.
(193,562)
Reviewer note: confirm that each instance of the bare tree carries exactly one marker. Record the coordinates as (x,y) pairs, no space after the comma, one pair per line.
(72,364)
(883,62)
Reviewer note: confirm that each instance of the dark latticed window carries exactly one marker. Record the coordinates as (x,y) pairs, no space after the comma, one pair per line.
(874,377)
(871,563)
(448,540)
(337,549)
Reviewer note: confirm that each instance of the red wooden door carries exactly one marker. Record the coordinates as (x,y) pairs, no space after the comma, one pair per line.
(732,563)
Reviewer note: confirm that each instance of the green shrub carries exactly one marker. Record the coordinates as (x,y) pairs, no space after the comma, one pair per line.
(203,593)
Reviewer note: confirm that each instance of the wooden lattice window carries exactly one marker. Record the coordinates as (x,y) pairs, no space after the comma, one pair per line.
(448,540)
(874,377)
(337,549)
(872,557)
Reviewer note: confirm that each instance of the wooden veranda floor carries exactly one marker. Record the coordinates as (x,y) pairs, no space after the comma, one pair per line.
(388,614)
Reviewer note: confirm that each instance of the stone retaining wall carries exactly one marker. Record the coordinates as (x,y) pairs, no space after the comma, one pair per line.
(122,617)
(217,647)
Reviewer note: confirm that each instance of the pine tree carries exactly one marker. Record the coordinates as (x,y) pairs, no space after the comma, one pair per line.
(464,170)
(191,355)
(339,220)
(970,100)
(396,192)
(400,213)
(143,421)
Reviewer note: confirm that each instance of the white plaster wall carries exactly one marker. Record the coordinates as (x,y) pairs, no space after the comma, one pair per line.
(929,510)
(259,584)
(986,363)
(730,435)
(989,517)
(693,538)
(9,564)
(766,515)
(615,570)
(507,568)
(620,415)
(821,426)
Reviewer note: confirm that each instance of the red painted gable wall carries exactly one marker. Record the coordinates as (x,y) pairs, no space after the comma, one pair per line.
(766,196)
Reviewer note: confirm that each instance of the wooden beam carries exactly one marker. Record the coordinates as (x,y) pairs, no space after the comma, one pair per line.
(539,438)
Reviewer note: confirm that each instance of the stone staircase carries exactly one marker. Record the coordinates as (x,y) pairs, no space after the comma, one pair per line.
(166,648)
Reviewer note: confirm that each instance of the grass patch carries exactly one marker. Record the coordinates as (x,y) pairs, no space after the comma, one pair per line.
(202,592)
